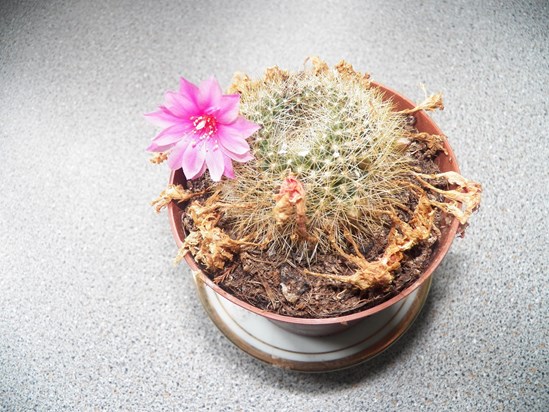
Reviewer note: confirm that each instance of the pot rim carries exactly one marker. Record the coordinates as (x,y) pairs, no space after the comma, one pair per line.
(174,216)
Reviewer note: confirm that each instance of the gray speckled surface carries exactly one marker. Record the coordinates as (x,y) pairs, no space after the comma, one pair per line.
(93,316)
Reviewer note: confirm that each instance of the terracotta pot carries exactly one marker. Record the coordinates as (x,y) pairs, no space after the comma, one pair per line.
(327,326)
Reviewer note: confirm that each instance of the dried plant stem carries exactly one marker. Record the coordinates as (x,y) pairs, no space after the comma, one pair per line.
(434,142)
(209,244)
(431,103)
(403,236)
(173,192)
(466,193)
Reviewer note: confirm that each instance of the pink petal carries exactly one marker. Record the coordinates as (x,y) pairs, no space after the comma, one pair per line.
(229,171)
(171,135)
(181,106)
(241,158)
(153,147)
(216,163)
(162,117)
(187,89)
(193,160)
(209,94)
(202,170)
(228,112)
(231,141)
(242,127)
(175,159)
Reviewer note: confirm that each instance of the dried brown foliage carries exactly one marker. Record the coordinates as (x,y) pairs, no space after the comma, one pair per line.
(402,237)
(173,192)
(209,244)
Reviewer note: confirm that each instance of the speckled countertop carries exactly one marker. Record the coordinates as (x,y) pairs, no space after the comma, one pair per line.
(93,316)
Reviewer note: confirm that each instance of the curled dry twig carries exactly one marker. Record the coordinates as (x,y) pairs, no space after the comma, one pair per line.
(347,71)
(402,236)
(209,244)
(434,142)
(466,193)
(173,192)
(433,102)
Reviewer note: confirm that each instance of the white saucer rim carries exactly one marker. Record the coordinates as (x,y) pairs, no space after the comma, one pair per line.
(401,304)
(318,366)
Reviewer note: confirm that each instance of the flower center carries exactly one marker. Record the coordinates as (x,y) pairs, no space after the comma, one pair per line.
(205,126)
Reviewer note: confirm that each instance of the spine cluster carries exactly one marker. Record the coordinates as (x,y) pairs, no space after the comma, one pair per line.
(335,134)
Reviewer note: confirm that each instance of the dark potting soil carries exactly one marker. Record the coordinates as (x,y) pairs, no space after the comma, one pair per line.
(277,284)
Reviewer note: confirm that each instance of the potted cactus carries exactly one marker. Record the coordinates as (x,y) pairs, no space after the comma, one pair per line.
(313,198)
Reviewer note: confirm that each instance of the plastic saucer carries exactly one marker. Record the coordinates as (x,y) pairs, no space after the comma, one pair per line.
(265,341)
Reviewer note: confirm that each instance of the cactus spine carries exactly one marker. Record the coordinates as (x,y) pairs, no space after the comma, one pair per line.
(334,133)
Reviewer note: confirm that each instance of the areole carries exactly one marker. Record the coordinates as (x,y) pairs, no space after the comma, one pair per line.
(326,326)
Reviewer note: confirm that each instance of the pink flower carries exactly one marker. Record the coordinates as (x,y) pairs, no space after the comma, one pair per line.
(203,129)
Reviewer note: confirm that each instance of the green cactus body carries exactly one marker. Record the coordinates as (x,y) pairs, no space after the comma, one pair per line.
(339,138)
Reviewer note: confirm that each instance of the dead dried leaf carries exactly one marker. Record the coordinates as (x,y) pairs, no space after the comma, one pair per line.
(209,244)
(173,192)
(403,236)
(464,200)
(431,103)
